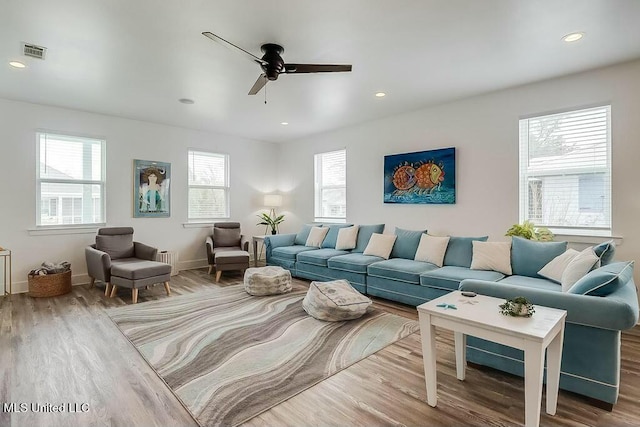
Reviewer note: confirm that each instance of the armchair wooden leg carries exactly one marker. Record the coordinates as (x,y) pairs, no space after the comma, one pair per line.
(218,274)
(93,282)
(134,295)
(210,269)
(167,288)
(107,289)
(114,289)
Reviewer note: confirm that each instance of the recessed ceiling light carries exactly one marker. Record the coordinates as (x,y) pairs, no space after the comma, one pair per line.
(284,123)
(17,64)
(573,37)
(380,94)
(187,101)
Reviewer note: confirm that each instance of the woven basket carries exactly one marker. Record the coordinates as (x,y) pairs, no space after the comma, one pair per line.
(50,285)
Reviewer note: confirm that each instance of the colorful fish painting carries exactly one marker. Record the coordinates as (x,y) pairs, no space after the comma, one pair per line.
(421,177)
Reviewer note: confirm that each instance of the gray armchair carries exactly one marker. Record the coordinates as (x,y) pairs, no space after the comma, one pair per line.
(117,260)
(227,248)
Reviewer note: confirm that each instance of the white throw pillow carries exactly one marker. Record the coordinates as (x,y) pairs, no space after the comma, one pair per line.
(578,268)
(380,245)
(554,268)
(494,256)
(316,236)
(432,249)
(347,238)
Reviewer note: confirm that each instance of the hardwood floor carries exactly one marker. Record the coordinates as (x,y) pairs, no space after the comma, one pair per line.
(66,350)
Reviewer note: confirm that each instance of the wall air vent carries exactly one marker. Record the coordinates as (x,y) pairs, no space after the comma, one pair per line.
(33,50)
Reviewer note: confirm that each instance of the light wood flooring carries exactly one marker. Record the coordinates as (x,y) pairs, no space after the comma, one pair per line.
(66,350)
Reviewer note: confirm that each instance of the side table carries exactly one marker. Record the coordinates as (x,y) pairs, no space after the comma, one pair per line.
(256,240)
(6,256)
(479,316)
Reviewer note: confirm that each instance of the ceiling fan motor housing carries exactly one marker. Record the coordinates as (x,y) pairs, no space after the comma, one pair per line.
(275,64)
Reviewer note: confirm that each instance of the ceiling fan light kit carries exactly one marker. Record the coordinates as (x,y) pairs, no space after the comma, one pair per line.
(273,65)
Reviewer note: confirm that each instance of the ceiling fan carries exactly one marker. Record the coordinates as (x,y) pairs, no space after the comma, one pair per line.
(273,65)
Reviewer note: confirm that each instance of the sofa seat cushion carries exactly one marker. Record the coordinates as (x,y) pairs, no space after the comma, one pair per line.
(135,268)
(404,270)
(449,277)
(290,252)
(356,263)
(319,257)
(532,282)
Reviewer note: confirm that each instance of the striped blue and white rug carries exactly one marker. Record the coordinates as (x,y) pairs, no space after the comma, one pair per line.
(229,356)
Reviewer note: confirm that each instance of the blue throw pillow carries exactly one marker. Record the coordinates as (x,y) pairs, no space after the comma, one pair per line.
(460,250)
(604,280)
(605,252)
(332,235)
(303,235)
(528,256)
(364,235)
(406,243)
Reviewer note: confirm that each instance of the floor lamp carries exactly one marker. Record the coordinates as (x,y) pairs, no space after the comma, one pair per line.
(272,201)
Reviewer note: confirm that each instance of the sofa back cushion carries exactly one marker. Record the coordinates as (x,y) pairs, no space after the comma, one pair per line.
(226,237)
(605,251)
(116,245)
(332,235)
(460,250)
(303,234)
(604,280)
(528,256)
(364,234)
(406,244)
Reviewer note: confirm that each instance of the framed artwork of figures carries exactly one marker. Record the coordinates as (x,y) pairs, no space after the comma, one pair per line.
(151,189)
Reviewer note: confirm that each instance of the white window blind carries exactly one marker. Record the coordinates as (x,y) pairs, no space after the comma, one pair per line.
(565,170)
(70,180)
(208,186)
(331,186)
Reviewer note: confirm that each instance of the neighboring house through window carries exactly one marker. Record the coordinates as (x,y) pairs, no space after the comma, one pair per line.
(331,186)
(70,180)
(565,170)
(208,186)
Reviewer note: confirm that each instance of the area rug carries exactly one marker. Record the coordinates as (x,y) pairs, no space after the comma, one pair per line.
(229,356)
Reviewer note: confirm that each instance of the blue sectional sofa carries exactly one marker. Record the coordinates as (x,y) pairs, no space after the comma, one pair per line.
(591,352)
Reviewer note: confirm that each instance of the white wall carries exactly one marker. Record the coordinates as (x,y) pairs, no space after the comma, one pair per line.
(126,140)
(484,130)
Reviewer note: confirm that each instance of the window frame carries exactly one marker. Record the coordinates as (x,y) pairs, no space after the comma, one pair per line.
(226,188)
(102,182)
(319,188)
(525,175)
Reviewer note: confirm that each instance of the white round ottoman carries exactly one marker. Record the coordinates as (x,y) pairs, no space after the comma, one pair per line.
(334,301)
(270,280)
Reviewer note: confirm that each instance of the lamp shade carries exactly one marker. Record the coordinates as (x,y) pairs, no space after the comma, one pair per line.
(273,200)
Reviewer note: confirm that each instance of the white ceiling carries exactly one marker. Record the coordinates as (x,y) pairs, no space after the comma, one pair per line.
(136,58)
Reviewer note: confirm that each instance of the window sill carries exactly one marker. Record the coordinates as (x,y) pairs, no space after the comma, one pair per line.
(331,220)
(585,236)
(50,231)
(204,224)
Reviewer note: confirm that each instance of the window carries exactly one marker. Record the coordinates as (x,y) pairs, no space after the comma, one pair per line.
(208,186)
(565,170)
(331,186)
(70,180)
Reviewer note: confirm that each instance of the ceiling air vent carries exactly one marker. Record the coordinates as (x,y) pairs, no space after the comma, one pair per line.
(33,50)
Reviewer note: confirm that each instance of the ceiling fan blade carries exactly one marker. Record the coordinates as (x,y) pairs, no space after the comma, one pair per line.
(259,84)
(315,68)
(232,46)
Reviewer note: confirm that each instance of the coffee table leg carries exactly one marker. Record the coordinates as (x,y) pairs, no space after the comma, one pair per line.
(428,337)
(461,354)
(533,370)
(554,360)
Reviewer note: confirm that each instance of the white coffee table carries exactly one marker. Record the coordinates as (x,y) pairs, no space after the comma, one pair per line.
(480,316)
